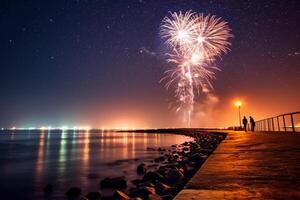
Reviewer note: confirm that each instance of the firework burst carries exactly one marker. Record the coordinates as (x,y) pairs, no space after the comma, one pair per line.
(195,41)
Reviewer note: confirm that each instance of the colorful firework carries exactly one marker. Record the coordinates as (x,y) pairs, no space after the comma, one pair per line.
(195,41)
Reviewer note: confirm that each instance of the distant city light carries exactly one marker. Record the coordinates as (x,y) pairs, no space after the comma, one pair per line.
(43,128)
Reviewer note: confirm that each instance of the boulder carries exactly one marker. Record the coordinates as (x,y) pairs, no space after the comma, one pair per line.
(161,149)
(174,176)
(120,196)
(141,169)
(137,181)
(196,157)
(189,171)
(162,188)
(94,196)
(142,192)
(167,197)
(116,183)
(161,158)
(154,197)
(153,176)
(73,192)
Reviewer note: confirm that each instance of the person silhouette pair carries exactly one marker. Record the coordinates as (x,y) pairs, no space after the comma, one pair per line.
(252,123)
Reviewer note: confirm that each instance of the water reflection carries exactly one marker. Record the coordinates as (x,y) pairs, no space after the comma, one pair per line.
(62,155)
(85,156)
(66,159)
(40,158)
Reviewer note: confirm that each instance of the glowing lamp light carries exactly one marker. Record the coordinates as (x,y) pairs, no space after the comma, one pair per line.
(238,103)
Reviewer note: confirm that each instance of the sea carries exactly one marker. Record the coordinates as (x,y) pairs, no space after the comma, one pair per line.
(30,160)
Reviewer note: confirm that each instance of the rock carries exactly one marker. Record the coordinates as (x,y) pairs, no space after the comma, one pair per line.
(156,160)
(194,157)
(161,149)
(73,192)
(197,159)
(161,158)
(120,196)
(141,169)
(145,184)
(185,149)
(48,188)
(162,188)
(153,165)
(152,176)
(189,171)
(154,197)
(167,197)
(116,183)
(174,176)
(143,192)
(137,181)
(94,196)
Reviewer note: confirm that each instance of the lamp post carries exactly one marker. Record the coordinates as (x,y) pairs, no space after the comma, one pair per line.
(239,104)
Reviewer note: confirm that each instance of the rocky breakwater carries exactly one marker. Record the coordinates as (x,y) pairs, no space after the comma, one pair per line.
(165,176)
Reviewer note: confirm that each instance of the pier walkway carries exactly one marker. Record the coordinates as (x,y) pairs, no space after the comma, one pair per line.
(249,166)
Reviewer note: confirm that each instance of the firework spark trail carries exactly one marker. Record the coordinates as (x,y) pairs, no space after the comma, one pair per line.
(195,41)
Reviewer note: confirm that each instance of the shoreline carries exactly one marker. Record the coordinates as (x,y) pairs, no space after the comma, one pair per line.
(169,173)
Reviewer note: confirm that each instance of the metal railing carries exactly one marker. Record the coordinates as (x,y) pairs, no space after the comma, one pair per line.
(280,123)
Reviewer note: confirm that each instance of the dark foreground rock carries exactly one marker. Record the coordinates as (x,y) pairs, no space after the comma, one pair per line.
(73,192)
(116,183)
(141,169)
(142,192)
(120,196)
(94,196)
(152,177)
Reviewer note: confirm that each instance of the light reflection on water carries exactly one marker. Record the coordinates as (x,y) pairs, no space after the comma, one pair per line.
(29,161)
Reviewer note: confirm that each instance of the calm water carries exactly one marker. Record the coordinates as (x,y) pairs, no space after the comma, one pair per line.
(29,161)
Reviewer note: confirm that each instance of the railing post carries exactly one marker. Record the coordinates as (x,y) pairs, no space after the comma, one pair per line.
(292,120)
(273,124)
(278,123)
(284,123)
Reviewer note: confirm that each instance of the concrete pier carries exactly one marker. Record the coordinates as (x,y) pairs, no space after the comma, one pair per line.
(249,166)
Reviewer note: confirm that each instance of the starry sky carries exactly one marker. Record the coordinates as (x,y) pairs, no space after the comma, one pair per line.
(99,63)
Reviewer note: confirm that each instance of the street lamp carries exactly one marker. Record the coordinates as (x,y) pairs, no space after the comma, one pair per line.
(239,104)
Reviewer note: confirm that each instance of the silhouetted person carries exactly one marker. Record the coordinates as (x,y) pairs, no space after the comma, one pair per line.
(252,122)
(245,122)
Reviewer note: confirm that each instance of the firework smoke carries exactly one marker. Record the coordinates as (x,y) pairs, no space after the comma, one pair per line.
(195,41)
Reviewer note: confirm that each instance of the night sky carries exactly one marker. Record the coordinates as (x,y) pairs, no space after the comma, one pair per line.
(99,63)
